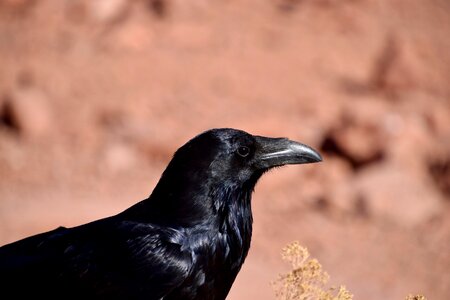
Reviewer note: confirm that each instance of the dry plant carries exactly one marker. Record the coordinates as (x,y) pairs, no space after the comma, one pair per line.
(307,280)
(415,297)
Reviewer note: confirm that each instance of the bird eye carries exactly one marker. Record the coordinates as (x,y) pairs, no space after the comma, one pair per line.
(243,151)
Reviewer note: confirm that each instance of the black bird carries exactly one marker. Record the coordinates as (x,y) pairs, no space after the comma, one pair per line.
(188,240)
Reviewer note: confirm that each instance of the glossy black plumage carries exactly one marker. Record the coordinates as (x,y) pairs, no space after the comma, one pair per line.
(188,240)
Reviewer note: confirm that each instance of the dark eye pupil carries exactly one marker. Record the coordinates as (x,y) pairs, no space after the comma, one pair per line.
(243,151)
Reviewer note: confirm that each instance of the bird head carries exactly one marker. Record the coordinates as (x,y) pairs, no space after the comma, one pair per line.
(237,157)
(218,167)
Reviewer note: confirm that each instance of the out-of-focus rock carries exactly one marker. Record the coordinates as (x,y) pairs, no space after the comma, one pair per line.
(412,143)
(438,118)
(158,7)
(335,187)
(134,36)
(395,194)
(188,36)
(439,169)
(29,112)
(107,10)
(401,66)
(358,137)
(361,143)
(119,157)
(17,8)
(16,3)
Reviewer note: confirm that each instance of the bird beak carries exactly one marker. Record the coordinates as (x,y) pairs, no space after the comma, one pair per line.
(273,152)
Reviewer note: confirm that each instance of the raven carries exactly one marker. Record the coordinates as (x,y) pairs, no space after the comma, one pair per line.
(187,240)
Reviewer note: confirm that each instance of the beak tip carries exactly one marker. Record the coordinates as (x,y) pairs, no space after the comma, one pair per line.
(319,158)
(311,155)
(315,158)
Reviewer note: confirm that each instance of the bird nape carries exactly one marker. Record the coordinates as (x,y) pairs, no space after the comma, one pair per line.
(187,240)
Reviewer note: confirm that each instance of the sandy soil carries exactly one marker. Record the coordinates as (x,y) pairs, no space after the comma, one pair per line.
(95,96)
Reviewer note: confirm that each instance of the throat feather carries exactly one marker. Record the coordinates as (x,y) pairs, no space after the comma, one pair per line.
(232,207)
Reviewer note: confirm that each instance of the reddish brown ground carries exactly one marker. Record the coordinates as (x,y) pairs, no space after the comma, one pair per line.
(96,95)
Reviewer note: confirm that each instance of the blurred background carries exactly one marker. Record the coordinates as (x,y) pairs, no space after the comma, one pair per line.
(95,96)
